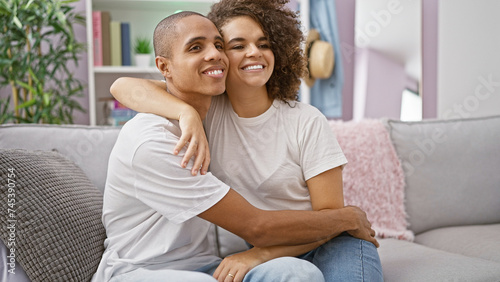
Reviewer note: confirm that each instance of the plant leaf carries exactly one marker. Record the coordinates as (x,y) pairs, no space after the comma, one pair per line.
(46,99)
(26,104)
(17,22)
(25,85)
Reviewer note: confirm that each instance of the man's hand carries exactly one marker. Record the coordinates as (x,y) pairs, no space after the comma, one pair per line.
(193,136)
(363,229)
(238,265)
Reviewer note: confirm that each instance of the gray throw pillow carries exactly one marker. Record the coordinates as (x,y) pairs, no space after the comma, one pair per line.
(451,169)
(50,216)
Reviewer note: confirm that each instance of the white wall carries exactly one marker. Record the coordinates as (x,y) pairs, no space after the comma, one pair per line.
(81,71)
(388,56)
(380,81)
(468,58)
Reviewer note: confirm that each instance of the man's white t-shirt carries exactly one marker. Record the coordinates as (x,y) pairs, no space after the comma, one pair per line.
(269,158)
(151,203)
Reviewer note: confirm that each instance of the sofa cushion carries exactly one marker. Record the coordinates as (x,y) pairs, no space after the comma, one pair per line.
(373,178)
(408,261)
(451,170)
(481,241)
(88,146)
(53,225)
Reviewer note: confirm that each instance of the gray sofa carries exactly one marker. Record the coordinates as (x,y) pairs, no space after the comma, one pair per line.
(451,189)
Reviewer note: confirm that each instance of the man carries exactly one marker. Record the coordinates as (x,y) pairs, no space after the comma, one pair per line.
(157,214)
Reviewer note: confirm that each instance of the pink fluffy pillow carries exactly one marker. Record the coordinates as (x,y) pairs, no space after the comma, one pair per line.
(373,178)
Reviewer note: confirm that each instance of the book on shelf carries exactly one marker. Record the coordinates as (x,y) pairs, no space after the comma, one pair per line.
(117,113)
(125,39)
(100,34)
(106,48)
(116,43)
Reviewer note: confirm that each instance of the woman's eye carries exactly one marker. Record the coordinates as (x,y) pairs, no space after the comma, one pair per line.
(237,47)
(265,46)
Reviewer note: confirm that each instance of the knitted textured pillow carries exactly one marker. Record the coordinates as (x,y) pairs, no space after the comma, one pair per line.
(50,216)
(374,178)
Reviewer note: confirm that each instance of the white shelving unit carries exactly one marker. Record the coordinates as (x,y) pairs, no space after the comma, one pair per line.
(143,15)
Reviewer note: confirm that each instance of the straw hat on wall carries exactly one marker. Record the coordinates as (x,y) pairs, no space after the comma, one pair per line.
(320,58)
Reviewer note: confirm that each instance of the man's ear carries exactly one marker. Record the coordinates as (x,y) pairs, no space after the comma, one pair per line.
(163,64)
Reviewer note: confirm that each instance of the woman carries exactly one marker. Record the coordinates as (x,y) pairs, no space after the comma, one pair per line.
(277,152)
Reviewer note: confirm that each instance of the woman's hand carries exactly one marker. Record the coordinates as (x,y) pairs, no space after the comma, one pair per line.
(238,265)
(364,229)
(193,136)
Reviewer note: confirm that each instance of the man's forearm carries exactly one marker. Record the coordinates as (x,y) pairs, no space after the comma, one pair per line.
(279,228)
(263,228)
(269,253)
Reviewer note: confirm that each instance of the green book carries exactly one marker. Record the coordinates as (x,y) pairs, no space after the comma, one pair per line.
(115,43)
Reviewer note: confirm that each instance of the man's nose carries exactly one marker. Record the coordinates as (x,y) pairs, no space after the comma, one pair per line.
(213,54)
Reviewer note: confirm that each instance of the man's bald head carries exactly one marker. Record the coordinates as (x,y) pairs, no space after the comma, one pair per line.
(165,33)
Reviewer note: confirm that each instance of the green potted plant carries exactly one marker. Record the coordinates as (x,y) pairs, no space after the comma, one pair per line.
(37,46)
(143,50)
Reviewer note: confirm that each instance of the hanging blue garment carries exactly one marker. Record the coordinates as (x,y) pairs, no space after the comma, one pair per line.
(326,94)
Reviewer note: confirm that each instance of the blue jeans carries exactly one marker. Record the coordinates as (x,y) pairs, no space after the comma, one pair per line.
(285,269)
(345,258)
(163,275)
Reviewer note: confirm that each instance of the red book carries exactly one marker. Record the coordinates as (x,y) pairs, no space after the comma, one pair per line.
(97,37)
(102,49)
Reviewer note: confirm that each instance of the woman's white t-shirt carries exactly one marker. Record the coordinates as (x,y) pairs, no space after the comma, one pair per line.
(268,158)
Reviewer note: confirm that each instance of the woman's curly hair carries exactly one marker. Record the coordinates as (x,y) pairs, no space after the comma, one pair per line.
(282,28)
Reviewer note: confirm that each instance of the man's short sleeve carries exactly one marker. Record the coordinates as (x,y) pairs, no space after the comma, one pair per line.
(162,184)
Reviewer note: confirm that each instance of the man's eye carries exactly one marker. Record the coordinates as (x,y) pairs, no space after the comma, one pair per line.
(195,48)
(237,47)
(219,46)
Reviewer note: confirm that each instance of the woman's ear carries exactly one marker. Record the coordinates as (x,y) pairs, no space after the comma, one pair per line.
(163,65)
